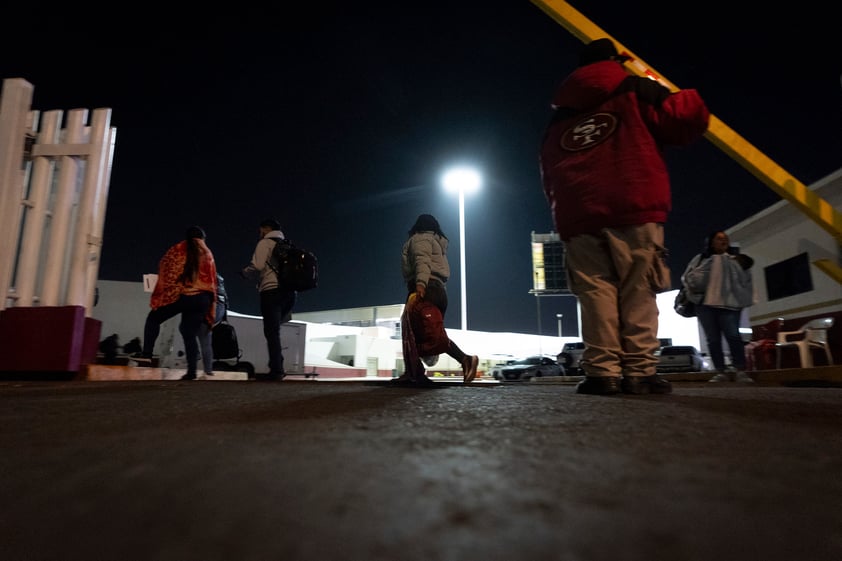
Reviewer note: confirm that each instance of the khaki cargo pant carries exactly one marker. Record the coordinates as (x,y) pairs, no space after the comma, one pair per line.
(616,275)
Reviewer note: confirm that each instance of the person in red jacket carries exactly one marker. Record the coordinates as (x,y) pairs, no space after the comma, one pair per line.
(605,178)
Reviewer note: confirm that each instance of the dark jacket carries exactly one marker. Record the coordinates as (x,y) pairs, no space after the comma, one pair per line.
(601,159)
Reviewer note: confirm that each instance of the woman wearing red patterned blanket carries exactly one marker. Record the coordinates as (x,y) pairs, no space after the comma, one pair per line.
(187,286)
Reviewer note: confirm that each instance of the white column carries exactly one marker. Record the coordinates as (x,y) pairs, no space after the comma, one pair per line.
(462,269)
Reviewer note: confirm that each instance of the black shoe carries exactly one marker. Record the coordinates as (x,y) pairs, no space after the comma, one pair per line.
(404,380)
(424,382)
(270,377)
(639,385)
(407,382)
(599,385)
(189,376)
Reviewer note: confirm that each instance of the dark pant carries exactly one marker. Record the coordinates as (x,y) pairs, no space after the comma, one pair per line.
(192,309)
(276,308)
(718,323)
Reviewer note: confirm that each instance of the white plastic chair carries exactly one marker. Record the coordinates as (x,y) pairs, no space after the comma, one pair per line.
(812,335)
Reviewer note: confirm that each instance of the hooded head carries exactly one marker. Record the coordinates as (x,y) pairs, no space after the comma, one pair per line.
(426,223)
(599,50)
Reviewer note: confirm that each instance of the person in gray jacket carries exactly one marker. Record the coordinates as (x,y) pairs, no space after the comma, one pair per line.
(719,283)
(276,303)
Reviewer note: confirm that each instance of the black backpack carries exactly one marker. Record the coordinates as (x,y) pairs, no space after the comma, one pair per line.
(297,269)
(224,342)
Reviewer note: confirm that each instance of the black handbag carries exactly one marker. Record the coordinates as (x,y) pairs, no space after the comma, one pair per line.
(683,305)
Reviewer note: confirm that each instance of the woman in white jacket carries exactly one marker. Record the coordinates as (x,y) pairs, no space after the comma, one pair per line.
(426,270)
(719,281)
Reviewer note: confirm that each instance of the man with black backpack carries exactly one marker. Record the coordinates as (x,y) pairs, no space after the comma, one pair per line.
(276,302)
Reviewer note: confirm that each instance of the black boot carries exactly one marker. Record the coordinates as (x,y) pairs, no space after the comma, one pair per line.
(599,385)
(640,385)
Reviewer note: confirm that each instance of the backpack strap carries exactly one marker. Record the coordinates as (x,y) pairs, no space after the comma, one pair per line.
(278,241)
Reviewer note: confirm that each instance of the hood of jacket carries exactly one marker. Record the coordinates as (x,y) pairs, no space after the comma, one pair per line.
(589,86)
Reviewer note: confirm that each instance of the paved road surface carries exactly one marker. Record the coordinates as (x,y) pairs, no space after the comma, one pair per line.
(307,470)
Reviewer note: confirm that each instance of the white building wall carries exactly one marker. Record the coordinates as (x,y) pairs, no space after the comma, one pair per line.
(781,232)
(123,306)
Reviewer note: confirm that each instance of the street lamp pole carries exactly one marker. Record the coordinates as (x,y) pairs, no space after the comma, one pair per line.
(559,316)
(461,180)
(463,276)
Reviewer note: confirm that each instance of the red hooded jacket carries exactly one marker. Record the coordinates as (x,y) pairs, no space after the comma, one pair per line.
(601,160)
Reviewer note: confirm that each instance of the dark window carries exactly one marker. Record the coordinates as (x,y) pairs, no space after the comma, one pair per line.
(554,267)
(789,277)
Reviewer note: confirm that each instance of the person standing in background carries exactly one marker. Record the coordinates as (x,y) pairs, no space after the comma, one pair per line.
(719,282)
(276,303)
(206,328)
(606,181)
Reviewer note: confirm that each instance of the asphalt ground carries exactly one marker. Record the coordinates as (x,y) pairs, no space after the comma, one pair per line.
(316,470)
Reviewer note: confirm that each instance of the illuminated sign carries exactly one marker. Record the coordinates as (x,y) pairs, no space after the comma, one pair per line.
(548,264)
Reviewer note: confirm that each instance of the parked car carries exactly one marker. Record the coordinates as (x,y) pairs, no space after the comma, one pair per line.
(527,368)
(570,356)
(681,358)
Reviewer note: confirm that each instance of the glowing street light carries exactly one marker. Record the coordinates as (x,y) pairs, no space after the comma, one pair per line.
(462,180)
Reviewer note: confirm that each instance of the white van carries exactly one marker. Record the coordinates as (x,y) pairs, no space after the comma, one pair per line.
(570,356)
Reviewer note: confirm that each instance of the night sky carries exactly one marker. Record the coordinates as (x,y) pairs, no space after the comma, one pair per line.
(340,122)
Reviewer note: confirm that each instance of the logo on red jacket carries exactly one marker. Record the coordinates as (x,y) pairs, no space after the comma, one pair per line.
(589,131)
